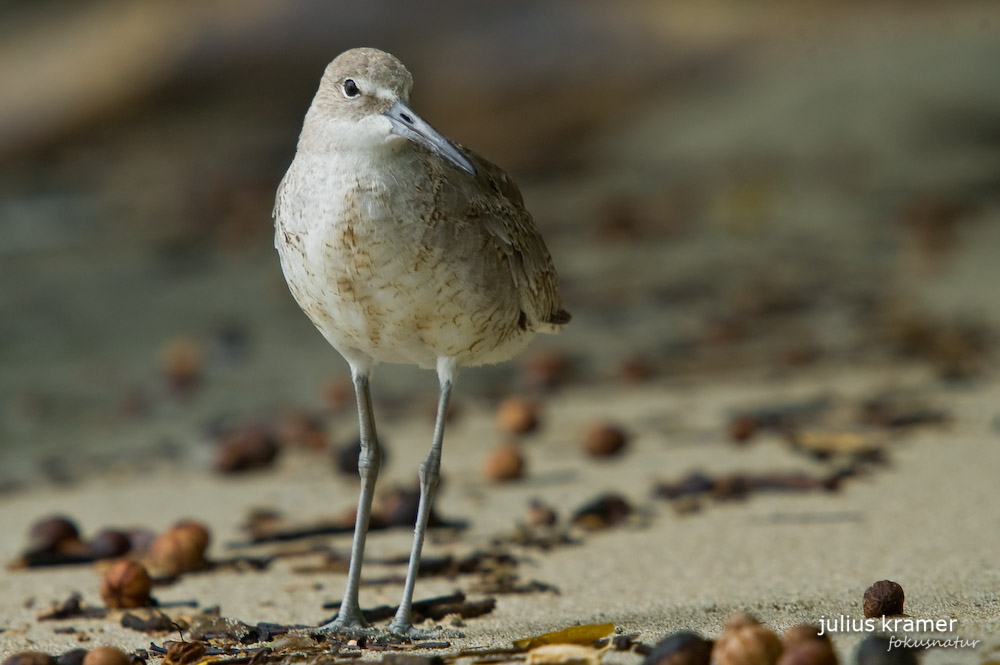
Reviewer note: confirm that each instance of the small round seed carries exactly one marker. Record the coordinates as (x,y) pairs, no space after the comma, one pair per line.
(884,598)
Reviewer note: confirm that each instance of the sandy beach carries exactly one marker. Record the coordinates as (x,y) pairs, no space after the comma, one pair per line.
(788,559)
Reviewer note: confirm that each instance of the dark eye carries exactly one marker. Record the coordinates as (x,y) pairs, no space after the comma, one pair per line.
(351,89)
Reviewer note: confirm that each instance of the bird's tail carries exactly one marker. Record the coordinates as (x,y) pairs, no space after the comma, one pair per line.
(555,323)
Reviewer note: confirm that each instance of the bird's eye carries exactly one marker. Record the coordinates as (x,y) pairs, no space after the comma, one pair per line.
(351,89)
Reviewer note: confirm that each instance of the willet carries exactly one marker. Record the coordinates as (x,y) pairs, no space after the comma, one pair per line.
(403,247)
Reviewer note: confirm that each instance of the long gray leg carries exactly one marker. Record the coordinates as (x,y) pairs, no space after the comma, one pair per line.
(349,617)
(430,473)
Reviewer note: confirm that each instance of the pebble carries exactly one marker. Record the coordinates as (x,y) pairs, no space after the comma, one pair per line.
(181,361)
(30,658)
(504,463)
(745,641)
(604,440)
(245,449)
(110,543)
(197,532)
(742,428)
(605,511)
(71,657)
(178,550)
(53,532)
(884,598)
(183,653)
(106,656)
(517,416)
(126,584)
(140,539)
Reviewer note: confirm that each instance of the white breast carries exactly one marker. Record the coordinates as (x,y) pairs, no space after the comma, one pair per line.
(354,250)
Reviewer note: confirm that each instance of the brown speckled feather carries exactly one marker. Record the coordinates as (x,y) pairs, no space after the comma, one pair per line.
(493,204)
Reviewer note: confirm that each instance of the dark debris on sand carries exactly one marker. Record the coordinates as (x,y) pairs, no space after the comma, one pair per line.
(435,608)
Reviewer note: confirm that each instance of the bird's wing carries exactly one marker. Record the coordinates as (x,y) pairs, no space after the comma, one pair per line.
(501,222)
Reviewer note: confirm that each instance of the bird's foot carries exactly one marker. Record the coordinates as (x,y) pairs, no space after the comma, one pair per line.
(349,621)
(407,630)
(353,624)
(404,629)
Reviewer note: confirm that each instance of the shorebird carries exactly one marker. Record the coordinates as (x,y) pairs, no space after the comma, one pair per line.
(404,247)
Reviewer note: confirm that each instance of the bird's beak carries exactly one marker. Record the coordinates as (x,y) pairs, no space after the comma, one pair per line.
(409,125)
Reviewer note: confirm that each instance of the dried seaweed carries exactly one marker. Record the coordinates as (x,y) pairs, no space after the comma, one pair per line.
(586,634)
(149,622)
(72,608)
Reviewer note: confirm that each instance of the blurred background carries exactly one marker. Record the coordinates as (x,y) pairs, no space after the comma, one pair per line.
(729,189)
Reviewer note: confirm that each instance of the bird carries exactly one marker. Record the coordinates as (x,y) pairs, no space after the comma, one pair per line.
(402,246)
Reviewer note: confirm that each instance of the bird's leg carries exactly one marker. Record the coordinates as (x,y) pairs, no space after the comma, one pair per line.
(430,472)
(349,617)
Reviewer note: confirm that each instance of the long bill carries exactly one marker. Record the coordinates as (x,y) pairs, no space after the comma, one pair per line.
(411,126)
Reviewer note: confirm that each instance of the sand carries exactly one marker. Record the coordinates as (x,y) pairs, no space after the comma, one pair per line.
(923,521)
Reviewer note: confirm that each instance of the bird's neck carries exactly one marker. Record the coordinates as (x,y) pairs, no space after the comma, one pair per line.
(391,159)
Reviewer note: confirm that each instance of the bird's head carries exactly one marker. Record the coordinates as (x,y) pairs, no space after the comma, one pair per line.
(363,99)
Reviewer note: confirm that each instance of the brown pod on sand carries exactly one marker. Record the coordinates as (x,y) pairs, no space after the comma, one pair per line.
(504,463)
(804,645)
(884,598)
(126,584)
(197,532)
(605,511)
(246,449)
(181,360)
(178,550)
(110,543)
(29,658)
(106,656)
(604,440)
(183,653)
(51,533)
(517,416)
(71,657)
(742,428)
(744,643)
